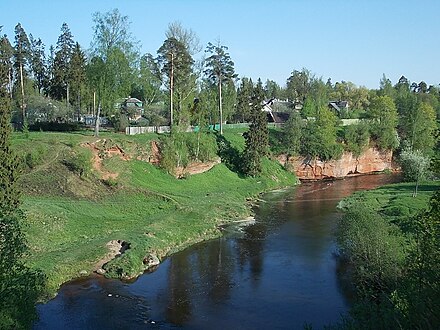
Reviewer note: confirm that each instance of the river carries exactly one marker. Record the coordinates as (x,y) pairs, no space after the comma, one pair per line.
(279,273)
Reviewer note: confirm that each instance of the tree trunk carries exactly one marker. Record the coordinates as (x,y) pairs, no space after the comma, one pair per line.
(10,82)
(171,89)
(79,106)
(94,103)
(220,103)
(67,95)
(97,120)
(23,105)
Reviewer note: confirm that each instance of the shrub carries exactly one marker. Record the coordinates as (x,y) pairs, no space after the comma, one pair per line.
(179,149)
(357,138)
(49,126)
(79,162)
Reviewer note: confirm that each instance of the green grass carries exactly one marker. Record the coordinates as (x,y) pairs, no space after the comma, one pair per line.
(70,218)
(395,202)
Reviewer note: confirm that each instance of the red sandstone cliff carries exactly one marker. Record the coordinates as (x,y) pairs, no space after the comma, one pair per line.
(372,160)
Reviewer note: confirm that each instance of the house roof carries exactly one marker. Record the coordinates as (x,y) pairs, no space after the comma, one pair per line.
(338,105)
(133,100)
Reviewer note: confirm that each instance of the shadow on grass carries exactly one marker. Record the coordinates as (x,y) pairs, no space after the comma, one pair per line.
(229,155)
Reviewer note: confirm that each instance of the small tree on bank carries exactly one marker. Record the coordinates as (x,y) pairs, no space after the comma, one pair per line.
(414,166)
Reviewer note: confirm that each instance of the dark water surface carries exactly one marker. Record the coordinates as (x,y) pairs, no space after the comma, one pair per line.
(279,273)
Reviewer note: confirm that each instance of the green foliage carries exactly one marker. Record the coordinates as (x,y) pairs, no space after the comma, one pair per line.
(79,162)
(19,286)
(34,157)
(179,149)
(393,248)
(383,113)
(414,166)
(357,138)
(175,64)
(243,112)
(48,126)
(419,126)
(292,133)
(257,138)
(419,296)
(373,247)
(319,136)
(219,68)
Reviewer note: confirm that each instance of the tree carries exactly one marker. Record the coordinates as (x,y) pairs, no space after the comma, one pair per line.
(219,68)
(77,75)
(292,133)
(386,87)
(421,291)
(418,124)
(272,89)
(21,58)
(175,63)
(114,55)
(383,113)
(357,138)
(187,37)
(38,63)
(19,286)
(243,105)
(257,137)
(298,85)
(149,82)
(414,166)
(320,134)
(60,83)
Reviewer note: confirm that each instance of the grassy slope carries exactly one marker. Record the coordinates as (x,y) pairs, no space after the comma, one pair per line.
(71,218)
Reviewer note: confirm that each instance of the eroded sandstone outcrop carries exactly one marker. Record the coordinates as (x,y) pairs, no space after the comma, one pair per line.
(306,168)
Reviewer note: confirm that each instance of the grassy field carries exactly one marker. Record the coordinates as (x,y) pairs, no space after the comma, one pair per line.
(73,211)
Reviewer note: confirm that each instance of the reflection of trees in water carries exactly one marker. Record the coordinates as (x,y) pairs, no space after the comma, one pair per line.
(179,283)
(250,250)
(219,281)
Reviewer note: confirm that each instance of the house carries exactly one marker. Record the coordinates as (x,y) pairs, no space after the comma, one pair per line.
(274,116)
(338,106)
(132,107)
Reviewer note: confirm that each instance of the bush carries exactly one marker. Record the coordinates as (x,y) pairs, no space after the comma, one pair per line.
(79,162)
(179,149)
(357,138)
(374,250)
(49,126)
(34,157)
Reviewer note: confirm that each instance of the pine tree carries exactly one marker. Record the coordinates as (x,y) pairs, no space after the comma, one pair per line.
(244,94)
(77,76)
(257,138)
(61,65)
(21,59)
(38,63)
(175,64)
(219,69)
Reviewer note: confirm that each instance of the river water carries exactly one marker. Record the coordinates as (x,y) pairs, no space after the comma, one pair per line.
(279,273)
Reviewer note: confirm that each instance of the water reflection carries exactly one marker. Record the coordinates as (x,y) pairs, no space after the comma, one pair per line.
(277,273)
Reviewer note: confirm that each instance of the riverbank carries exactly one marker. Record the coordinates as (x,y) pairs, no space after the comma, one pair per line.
(391,240)
(73,212)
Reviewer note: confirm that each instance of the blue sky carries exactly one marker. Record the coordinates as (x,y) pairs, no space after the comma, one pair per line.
(353,40)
